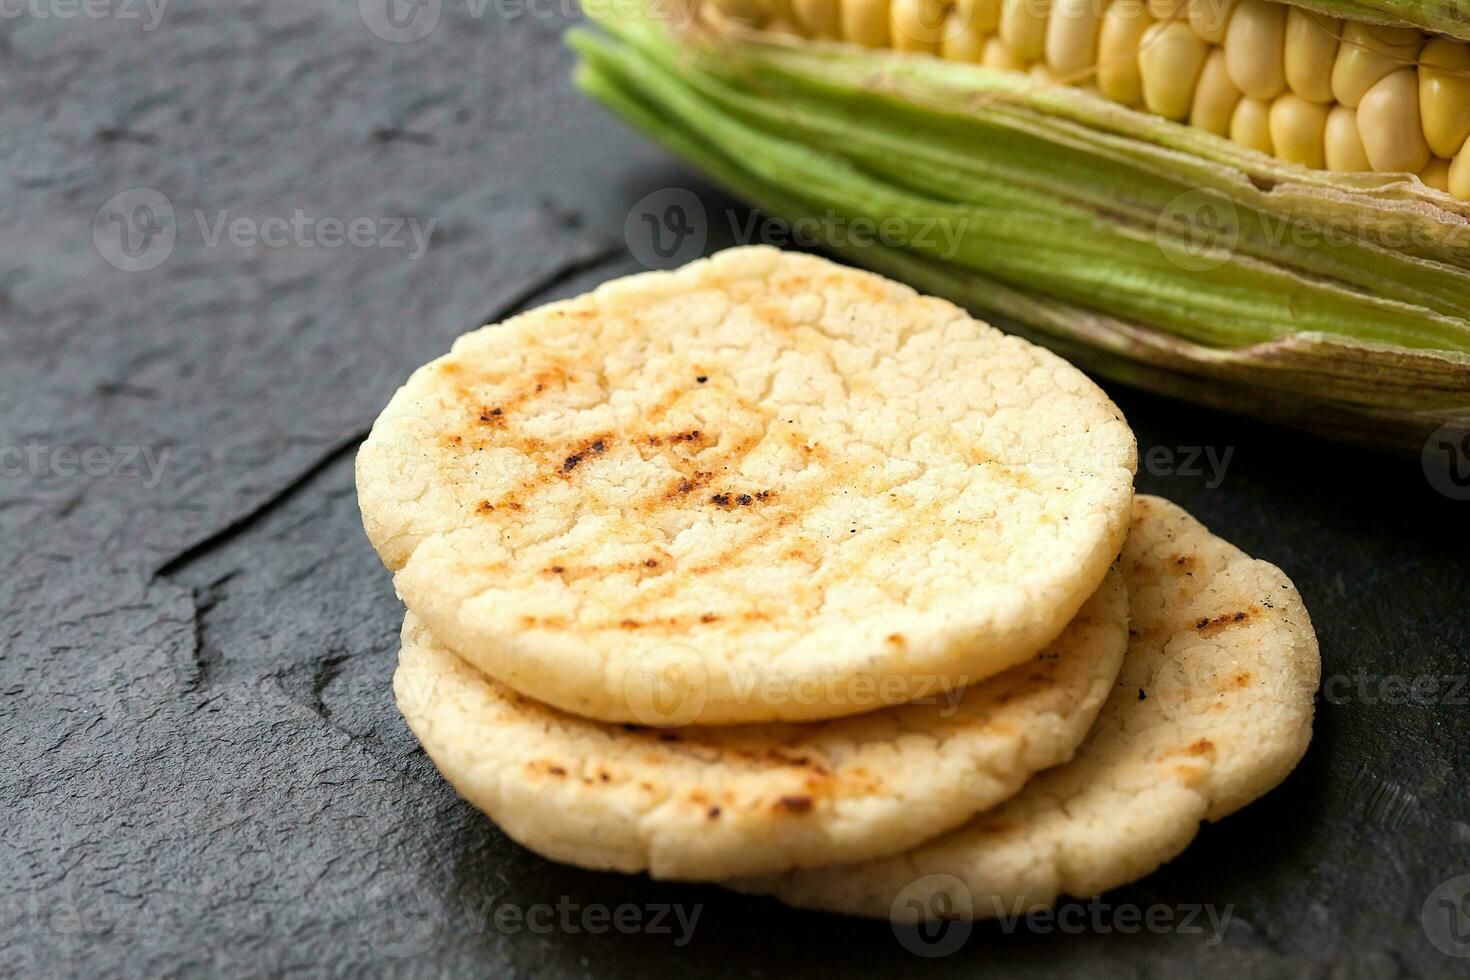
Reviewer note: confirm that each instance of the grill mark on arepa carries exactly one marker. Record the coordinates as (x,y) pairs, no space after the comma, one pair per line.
(698,457)
(591,448)
(821,781)
(1208,626)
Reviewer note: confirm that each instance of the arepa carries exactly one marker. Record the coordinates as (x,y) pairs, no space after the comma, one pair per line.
(708,803)
(1213,707)
(765,473)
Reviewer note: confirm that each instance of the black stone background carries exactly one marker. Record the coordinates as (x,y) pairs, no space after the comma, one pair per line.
(204,773)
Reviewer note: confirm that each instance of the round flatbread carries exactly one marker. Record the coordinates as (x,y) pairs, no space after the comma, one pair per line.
(773,472)
(707,803)
(1212,709)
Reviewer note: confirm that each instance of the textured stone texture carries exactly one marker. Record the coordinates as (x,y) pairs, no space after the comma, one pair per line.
(205,773)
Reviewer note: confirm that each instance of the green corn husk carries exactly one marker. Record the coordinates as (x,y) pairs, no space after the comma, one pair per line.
(1335,302)
(1449,17)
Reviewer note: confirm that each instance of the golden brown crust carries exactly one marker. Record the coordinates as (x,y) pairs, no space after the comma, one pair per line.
(774,462)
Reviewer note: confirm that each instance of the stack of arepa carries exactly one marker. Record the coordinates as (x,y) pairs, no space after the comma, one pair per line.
(775,573)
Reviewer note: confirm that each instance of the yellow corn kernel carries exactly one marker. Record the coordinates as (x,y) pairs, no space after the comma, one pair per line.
(817,18)
(1250,124)
(1297,130)
(1215,96)
(997,55)
(1071,37)
(1165,9)
(963,39)
(1170,58)
(865,22)
(1343,146)
(1255,44)
(1117,51)
(1388,120)
(1460,173)
(1437,174)
(1311,51)
(1039,72)
(1367,54)
(1023,27)
(1210,18)
(1444,94)
(982,15)
(916,25)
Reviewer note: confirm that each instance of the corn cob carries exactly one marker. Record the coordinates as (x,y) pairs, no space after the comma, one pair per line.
(1078,217)
(1287,69)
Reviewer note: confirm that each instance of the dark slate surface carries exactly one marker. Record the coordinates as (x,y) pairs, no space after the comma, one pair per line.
(205,773)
